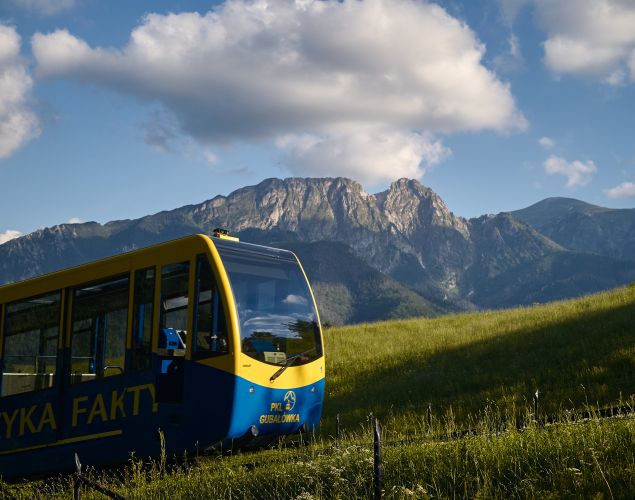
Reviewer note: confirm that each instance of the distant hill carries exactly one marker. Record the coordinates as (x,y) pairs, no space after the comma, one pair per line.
(350,291)
(583,227)
(553,276)
(393,254)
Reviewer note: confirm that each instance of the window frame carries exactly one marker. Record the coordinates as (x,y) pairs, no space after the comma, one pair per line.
(222,309)
(186,308)
(59,375)
(228,254)
(68,369)
(130,342)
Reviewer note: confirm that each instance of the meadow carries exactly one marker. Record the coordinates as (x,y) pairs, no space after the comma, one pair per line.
(575,353)
(455,399)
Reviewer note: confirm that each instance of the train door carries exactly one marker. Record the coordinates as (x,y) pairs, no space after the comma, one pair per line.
(174,324)
(96,397)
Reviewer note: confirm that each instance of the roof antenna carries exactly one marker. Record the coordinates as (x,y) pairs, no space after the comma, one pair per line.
(223,234)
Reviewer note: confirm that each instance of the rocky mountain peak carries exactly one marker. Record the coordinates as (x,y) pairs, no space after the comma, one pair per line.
(410,207)
(313,208)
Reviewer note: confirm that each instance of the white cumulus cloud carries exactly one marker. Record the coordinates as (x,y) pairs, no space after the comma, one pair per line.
(624,190)
(18,124)
(260,70)
(75,220)
(594,38)
(578,173)
(9,235)
(371,156)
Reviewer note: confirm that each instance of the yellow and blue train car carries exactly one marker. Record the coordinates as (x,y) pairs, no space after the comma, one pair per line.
(204,340)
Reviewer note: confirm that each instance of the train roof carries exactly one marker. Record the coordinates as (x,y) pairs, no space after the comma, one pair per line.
(118,263)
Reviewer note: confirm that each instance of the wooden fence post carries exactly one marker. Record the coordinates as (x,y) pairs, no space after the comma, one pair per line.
(77,482)
(377,461)
(80,479)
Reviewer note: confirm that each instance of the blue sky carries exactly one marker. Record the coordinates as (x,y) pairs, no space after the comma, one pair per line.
(117,109)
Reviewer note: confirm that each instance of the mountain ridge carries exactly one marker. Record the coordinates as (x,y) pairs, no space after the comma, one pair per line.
(405,233)
(583,227)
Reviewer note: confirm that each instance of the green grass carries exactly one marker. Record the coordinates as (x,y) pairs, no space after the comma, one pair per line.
(575,353)
(587,460)
(477,371)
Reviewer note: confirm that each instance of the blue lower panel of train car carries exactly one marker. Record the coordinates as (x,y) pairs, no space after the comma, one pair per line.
(102,420)
(275,411)
(271,411)
(108,420)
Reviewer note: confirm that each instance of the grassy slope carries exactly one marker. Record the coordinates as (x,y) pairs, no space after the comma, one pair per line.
(485,366)
(574,352)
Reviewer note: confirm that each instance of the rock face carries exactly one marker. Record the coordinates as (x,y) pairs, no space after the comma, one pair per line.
(410,253)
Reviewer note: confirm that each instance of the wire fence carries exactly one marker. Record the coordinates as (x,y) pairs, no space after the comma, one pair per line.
(80,480)
(569,418)
(380,439)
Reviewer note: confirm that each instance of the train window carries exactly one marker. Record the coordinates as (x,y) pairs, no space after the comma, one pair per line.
(210,326)
(142,320)
(31,330)
(278,321)
(100,322)
(174,297)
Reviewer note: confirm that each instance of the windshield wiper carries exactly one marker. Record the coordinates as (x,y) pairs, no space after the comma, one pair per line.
(288,362)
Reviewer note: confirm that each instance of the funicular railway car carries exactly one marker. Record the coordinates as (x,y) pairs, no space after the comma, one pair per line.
(209,340)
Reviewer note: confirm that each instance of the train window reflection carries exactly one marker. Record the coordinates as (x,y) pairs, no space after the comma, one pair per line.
(277,317)
(210,327)
(174,296)
(30,346)
(100,323)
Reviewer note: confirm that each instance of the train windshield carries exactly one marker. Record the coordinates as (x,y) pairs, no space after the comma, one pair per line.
(278,322)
